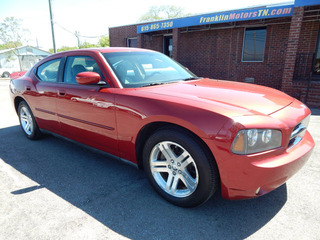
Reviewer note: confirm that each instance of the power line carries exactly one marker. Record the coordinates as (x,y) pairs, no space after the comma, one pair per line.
(78,35)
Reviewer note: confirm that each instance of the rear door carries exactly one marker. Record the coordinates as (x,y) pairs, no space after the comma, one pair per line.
(42,99)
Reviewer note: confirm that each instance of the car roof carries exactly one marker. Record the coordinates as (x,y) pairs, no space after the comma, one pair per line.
(95,50)
(123,49)
(109,49)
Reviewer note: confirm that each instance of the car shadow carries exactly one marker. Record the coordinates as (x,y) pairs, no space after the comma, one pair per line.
(315,111)
(120,197)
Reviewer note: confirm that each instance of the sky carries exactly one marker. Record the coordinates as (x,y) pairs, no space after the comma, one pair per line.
(92,18)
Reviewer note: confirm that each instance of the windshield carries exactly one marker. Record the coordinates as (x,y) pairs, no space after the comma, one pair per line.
(139,69)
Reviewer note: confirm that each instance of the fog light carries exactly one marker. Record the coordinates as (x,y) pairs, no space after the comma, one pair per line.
(258,190)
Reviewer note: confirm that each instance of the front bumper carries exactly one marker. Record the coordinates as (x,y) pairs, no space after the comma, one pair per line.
(249,176)
(257,175)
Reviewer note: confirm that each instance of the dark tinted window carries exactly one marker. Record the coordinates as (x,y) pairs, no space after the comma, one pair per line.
(78,64)
(48,71)
(132,42)
(254,42)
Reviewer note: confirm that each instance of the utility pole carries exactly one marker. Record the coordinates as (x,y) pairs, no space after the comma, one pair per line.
(77,33)
(52,30)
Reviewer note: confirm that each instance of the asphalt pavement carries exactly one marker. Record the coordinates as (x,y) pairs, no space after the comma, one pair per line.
(56,189)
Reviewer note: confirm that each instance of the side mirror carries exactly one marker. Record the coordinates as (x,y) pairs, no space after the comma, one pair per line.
(85,78)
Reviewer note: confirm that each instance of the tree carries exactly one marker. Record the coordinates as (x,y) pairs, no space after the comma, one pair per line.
(62,49)
(156,13)
(104,41)
(9,45)
(88,45)
(12,35)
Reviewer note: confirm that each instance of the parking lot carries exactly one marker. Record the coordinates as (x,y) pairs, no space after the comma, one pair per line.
(56,189)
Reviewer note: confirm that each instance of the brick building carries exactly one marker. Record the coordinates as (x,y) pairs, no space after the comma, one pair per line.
(276,46)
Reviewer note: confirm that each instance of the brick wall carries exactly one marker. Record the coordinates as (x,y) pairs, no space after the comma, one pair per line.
(218,54)
(118,35)
(291,51)
(153,42)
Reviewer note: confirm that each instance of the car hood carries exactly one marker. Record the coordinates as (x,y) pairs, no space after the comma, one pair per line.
(235,97)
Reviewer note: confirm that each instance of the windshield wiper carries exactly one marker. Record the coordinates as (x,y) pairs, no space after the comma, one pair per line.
(190,78)
(153,84)
(161,83)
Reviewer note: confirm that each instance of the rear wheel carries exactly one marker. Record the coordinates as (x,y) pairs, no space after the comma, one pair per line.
(179,168)
(27,121)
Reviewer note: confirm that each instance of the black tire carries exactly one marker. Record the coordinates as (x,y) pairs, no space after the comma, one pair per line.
(6,74)
(182,171)
(28,123)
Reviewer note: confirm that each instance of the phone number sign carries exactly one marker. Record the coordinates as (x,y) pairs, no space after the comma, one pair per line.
(232,16)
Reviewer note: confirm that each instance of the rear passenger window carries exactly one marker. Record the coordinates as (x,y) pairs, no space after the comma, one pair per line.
(48,71)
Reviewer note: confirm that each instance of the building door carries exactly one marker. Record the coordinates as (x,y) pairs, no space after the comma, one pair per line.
(316,61)
(132,42)
(167,45)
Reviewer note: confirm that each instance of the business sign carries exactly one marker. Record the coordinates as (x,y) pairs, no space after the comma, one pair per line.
(221,17)
(301,3)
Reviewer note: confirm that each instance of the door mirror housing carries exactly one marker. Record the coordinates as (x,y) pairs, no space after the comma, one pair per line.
(86,78)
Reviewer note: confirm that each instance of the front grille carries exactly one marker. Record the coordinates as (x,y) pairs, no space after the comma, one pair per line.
(295,128)
(291,142)
(298,132)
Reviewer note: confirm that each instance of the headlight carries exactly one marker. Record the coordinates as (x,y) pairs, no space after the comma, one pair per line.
(256,140)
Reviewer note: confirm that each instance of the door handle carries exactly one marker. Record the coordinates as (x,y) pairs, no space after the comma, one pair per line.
(61,93)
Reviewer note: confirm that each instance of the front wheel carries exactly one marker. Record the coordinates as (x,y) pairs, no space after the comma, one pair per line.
(27,122)
(179,168)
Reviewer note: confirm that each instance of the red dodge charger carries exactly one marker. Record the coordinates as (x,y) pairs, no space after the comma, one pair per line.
(189,134)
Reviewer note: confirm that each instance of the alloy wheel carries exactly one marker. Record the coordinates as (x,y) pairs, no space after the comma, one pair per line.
(174,169)
(26,120)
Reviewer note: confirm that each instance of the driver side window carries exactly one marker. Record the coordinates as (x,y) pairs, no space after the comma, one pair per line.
(78,64)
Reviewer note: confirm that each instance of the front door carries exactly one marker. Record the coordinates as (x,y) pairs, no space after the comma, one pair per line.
(167,45)
(86,115)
